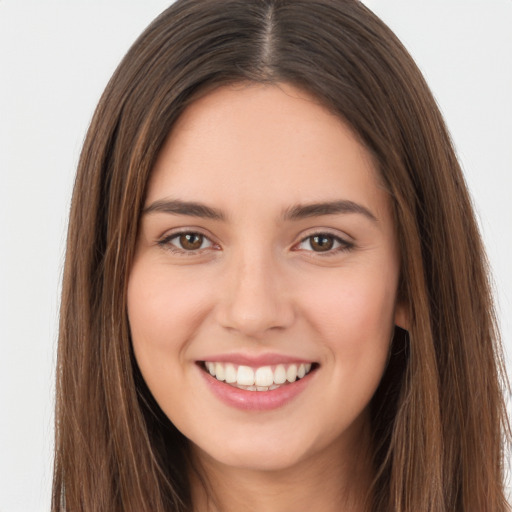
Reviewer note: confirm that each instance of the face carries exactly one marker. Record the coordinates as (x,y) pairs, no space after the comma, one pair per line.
(262,296)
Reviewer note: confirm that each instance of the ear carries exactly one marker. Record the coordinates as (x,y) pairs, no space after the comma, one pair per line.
(402,315)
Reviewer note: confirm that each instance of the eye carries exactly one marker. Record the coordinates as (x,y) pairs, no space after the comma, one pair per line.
(324,242)
(188,241)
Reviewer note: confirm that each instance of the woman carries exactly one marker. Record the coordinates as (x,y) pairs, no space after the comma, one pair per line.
(275,294)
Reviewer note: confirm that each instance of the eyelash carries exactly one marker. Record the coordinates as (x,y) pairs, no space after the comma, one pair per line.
(167,244)
(342,245)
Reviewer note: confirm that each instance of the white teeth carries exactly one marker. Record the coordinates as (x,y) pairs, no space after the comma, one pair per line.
(280,374)
(264,378)
(230,373)
(219,371)
(245,376)
(291,373)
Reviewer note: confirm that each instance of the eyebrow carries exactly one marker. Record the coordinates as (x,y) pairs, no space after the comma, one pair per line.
(190,208)
(328,208)
(296,212)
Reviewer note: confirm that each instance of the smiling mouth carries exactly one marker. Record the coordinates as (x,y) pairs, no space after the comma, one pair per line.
(262,378)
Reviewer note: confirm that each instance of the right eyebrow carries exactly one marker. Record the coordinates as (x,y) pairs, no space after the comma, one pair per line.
(177,207)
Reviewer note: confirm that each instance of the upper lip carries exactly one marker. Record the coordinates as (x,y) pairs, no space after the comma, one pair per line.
(256,360)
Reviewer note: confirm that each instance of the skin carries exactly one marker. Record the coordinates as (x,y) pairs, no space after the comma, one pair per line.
(257,285)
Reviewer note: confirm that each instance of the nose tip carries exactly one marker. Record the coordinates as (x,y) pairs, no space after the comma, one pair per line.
(255,302)
(254,320)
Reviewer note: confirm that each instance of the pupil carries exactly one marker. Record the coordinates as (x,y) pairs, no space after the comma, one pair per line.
(191,241)
(322,243)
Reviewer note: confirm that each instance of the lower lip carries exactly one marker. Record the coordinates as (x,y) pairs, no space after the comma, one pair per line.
(256,400)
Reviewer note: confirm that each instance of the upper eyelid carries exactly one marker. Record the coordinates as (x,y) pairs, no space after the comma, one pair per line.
(336,237)
(343,237)
(169,234)
(340,240)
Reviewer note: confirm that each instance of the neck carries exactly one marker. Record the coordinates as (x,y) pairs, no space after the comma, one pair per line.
(337,479)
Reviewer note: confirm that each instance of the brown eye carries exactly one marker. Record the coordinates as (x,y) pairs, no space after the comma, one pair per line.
(321,243)
(324,243)
(191,241)
(186,242)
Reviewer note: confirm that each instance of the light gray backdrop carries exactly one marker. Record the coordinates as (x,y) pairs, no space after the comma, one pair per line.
(55,59)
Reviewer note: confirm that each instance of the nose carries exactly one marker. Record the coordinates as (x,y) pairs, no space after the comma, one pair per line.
(255,298)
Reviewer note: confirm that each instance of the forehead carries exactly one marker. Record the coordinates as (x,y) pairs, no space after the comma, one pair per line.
(276,144)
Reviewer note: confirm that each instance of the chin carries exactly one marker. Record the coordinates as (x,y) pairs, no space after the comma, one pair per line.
(256,460)
(263,453)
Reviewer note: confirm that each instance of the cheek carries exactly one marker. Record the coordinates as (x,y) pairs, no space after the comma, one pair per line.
(353,305)
(355,324)
(156,299)
(354,317)
(164,310)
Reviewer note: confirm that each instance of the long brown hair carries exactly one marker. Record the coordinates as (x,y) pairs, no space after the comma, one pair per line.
(438,418)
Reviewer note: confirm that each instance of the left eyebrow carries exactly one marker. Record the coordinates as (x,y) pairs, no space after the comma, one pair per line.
(302,211)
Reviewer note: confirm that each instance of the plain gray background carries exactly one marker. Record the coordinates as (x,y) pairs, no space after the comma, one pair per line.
(55,59)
